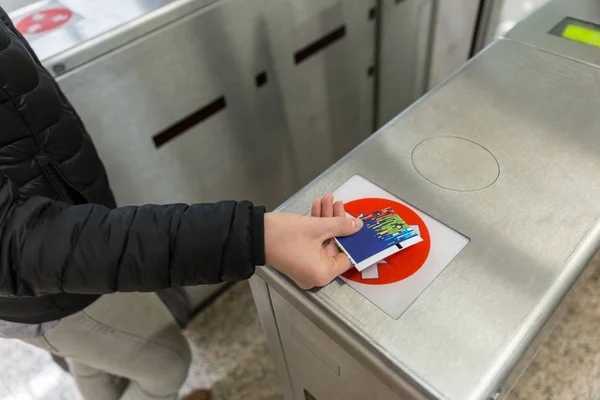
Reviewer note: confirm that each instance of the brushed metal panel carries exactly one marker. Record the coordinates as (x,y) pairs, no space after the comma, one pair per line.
(12,5)
(319,365)
(328,98)
(100,26)
(405,39)
(266,315)
(455,23)
(160,79)
(532,231)
(487,25)
(268,141)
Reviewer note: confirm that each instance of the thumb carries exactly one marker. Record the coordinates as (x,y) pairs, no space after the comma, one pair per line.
(339,264)
(340,226)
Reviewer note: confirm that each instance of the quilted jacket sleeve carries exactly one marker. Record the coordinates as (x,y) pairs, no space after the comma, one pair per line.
(51,247)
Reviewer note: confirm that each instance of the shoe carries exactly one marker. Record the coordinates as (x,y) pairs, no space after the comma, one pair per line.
(200,394)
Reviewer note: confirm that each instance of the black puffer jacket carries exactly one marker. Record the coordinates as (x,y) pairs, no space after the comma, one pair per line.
(62,242)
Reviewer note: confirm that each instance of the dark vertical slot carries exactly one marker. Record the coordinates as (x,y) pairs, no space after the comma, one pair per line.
(376,57)
(480,26)
(190,121)
(372,13)
(261,79)
(319,44)
(371,71)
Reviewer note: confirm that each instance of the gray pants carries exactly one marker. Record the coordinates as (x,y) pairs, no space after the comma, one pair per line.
(124,346)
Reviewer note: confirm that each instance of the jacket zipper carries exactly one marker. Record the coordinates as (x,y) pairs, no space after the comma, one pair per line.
(62,185)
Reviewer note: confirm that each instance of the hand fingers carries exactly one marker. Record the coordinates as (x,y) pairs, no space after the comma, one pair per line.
(331,249)
(338,209)
(316,207)
(338,265)
(327,206)
(332,267)
(339,226)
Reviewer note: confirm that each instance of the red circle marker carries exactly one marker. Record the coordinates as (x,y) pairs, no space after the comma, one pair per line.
(44,21)
(402,264)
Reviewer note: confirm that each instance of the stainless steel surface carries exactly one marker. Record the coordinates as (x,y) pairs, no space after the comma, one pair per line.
(411,59)
(401,382)
(268,141)
(421,42)
(455,23)
(405,48)
(262,300)
(100,26)
(514,11)
(532,231)
(534,347)
(534,30)
(11,5)
(320,365)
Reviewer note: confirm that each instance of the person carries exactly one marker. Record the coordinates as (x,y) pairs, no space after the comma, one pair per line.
(78,274)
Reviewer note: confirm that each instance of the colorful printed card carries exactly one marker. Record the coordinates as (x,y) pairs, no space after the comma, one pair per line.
(384,233)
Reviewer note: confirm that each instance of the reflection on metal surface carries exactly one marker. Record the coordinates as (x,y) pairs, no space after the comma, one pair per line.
(455,23)
(421,42)
(266,315)
(269,140)
(44,20)
(331,375)
(100,26)
(319,44)
(487,24)
(514,11)
(312,347)
(189,122)
(405,39)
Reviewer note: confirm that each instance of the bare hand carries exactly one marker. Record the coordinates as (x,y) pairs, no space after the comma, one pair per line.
(301,247)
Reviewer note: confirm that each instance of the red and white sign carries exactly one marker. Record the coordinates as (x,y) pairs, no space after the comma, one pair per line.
(395,283)
(44,20)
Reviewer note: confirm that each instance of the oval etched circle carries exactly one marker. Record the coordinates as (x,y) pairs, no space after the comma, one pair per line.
(455,163)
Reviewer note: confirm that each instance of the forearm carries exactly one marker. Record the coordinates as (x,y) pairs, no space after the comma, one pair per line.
(89,248)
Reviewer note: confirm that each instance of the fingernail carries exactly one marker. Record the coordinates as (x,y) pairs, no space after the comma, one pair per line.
(357,223)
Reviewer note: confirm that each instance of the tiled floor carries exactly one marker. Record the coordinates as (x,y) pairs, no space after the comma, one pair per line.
(230,352)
